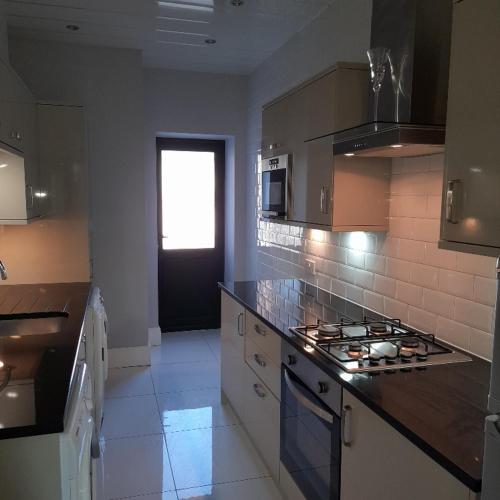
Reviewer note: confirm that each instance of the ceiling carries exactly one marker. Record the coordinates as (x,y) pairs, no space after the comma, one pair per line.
(171,33)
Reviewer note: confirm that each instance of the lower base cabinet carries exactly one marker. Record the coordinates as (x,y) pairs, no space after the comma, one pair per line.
(376,448)
(261,419)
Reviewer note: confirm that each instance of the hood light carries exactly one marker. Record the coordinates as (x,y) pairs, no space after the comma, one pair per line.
(348,154)
(397,146)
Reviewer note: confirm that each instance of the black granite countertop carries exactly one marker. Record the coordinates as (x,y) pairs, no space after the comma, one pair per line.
(42,365)
(440,409)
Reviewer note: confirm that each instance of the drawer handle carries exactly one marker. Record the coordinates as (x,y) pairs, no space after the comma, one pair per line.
(259,391)
(240,329)
(259,330)
(346,425)
(259,360)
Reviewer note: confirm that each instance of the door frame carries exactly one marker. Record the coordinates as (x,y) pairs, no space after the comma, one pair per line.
(194,144)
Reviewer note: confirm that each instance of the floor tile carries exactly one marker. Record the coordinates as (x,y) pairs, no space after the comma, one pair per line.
(210,456)
(136,466)
(213,341)
(252,489)
(197,409)
(131,416)
(166,495)
(185,347)
(175,377)
(129,382)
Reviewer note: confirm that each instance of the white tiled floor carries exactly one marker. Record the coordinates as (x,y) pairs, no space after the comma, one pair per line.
(166,436)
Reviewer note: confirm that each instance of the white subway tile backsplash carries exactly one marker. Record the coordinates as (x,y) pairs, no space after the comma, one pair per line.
(422,320)
(356,258)
(485,290)
(437,257)
(398,269)
(384,286)
(476,264)
(354,293)
(455,283)
(481,343)
(375,263)
(401,273)
(438,303)
(413,251)
(454,333)
(396,309)
(474,314)
(425,276)
(374,301)
(409,294)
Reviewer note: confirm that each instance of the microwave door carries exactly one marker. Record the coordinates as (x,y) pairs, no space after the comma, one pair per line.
(274,192)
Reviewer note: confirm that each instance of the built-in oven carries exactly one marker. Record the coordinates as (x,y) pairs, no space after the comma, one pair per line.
(275,186)
(310,444)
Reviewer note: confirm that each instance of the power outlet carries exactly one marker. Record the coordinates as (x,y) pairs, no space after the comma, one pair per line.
(311,266)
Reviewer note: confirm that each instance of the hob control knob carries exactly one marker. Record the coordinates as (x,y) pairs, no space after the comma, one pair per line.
(292,360)
(322,387)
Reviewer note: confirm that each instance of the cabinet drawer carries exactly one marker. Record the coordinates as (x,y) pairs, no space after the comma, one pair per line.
(262,420)
(262,364)
(264,337)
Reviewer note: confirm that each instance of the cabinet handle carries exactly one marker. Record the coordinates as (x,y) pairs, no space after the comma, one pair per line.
(346,425)
(259,360)
(259,330)
(240,329)
(258,390)
(451,200)
(29,192)
(323,200)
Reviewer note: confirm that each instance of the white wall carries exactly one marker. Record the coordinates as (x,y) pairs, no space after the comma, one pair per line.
(340,33)
(109,84)
(203,105)
(402,273)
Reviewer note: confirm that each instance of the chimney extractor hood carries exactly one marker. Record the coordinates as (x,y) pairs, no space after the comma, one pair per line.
(408,90)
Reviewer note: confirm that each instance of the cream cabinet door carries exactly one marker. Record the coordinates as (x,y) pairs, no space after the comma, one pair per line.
(261,419)
(392,467)
(232,351)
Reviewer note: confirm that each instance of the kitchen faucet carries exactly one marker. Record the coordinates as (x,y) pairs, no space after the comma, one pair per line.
(3,271)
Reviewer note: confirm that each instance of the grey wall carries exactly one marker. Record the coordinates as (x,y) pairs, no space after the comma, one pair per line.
(109,84)
(340,33)
(205,105)
(4,53)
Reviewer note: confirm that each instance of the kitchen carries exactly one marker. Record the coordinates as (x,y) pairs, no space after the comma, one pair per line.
(377,243)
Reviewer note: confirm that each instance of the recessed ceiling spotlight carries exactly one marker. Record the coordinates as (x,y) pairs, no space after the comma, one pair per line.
(210,41)
(237,3)
(72,27)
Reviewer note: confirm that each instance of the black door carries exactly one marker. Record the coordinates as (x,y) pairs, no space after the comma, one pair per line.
(191,232)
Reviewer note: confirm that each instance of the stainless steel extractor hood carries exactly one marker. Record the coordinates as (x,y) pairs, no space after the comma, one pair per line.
(409,62)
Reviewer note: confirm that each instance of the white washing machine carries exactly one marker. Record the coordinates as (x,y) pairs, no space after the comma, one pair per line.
(54,466)
(96,352)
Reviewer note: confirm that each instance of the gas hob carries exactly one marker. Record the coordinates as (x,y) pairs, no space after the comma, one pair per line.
(374,346)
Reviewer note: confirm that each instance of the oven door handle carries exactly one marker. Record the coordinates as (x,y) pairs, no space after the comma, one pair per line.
(304,401)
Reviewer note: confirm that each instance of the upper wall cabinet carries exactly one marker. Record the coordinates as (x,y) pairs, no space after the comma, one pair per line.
(20,193)
(328,103)
(470,219)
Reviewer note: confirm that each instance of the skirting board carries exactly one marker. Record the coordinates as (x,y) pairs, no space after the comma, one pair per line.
(121,357)
(154,336)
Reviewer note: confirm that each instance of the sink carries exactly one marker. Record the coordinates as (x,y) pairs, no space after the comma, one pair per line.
(36,323)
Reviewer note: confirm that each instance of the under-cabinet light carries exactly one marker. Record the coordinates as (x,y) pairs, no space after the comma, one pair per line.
(3,165)
(396,146)
(348,154)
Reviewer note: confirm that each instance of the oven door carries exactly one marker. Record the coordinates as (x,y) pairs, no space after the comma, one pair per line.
(274,192)
(310,440)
